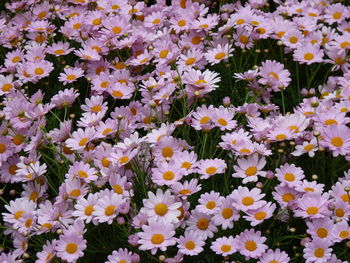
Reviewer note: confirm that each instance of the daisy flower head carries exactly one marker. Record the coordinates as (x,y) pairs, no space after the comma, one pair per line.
(107,207)
(81,138)
(70,247)
(70,75)
(202,224)
(156,235)
(317,250)
(308,54)
(245,199)
(341,231)
(224,246)
(289,174)
(309,147)
(251,243)
(273,74)
(39,69)
(226,214)
(223,118)
(85,207)
(186,188)
(249,168)
(219,53)
(261,214)
(162,207)
(274,256)
(337,139)
(320,228)
(313,206)
(6,84)
(167,173)
(210,167)
(191,243)
(209,203)
(122,255)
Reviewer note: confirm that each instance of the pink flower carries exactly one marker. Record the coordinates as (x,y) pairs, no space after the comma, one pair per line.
(251,243)
(70,247)
(156,235)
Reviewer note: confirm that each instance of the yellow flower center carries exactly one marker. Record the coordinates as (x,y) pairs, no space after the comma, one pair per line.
(71,248)
(250,171)
(190,61)
(83,141)
(2,148)
(202,223)
(39,71)
(211,170)
(339,212)
(161,209)
(185,192)
(83,174)
(289,177)
(168,175)
(109,210)
(88,210)
(247,201)
(116,29)
(312,210)
(157,239)
(250,245)
(167,152)
(226,248)
(220,55)
(319,253)
(308,56)
(322,232)
(337,141)
(190,245)
(204,120)
(7,87)
(260,215)
(118,189)
(182,23)
(164,53)
(222,122)
(227,212)
(211,205)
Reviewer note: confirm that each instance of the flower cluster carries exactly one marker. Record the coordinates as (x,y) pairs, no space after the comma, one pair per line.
(175,132)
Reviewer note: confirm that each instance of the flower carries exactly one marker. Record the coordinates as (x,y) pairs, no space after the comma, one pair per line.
(276,256)
(308,54)
(337,139)
(251,243)
(290,175)
(245,199)
(156,235)
(210,167)
(317,251)
(70,247)
(224,246)
(249,168)
(107,207)
(313,206)
(161,207)
(191,243)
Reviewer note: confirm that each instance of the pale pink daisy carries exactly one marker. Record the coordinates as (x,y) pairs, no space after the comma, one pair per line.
(290,175)
(161,207)
(224,246)
(317,250)
(107,207)
(251,243)
(70,247)
(202,224)
(156,235)
(191,243)
(249,168)
(210,167)
(259,215)
(274,256)
(245,199)
(209,203)
(313,206)
(226,214)
(219,53)
(308,54)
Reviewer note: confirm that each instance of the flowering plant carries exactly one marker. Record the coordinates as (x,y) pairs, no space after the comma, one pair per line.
(190,131)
